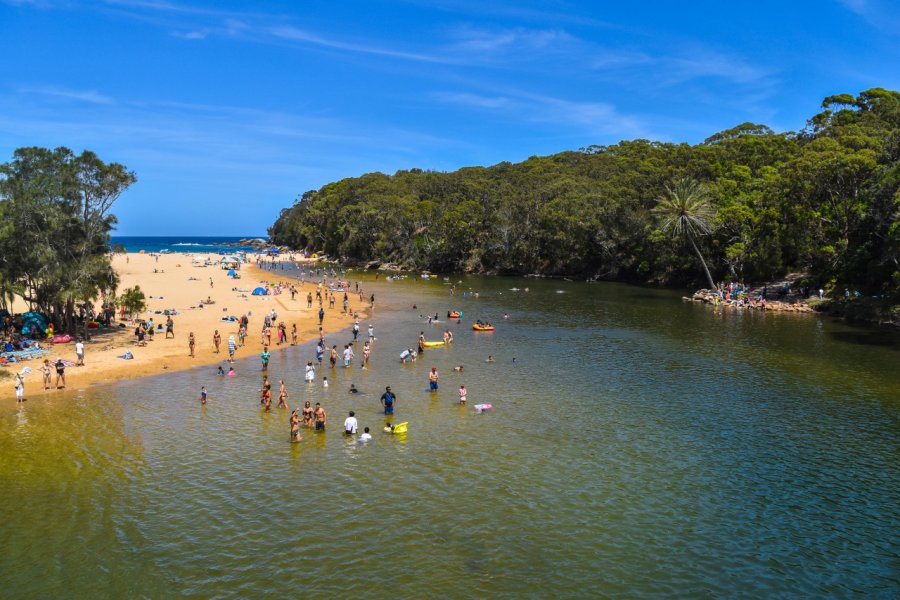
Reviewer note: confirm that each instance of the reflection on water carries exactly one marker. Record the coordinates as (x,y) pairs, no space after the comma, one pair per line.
(639,446)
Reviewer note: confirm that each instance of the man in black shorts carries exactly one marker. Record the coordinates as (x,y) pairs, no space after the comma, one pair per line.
(319,415)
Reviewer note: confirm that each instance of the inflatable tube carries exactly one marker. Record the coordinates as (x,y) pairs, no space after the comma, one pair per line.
(478,327)
(483,407)
(400,427)
(433,344)
(453,314)
(62,339)
(93,325)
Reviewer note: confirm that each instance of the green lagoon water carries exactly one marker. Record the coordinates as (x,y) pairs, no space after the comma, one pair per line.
(639,447)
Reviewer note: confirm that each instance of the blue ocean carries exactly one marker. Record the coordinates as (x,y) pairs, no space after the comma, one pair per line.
(182,243)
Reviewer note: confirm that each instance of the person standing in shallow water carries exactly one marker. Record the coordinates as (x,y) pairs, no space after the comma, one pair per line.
(433,379)
(320,417)
(295,426)
(388,399)
(282,395)
(307,415)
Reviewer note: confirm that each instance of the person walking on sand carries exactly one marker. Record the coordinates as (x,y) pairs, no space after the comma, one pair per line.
(46,371)
(232,348)
(320,416)
(217,339)
(191,343)
(433,379)
(170,327)
(79,353)
(388,399)
(60,373)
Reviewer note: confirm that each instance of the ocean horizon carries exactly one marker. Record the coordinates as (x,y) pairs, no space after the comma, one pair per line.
(182,243)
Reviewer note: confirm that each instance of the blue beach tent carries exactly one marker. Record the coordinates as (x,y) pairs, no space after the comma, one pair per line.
(260,292)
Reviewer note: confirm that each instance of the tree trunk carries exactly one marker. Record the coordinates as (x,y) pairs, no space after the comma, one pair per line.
(712,285)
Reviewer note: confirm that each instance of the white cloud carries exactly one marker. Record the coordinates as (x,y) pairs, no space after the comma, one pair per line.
(300,35)
(598,118)
(87,96)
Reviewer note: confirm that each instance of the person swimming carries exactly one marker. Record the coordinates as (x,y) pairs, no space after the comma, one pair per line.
(354,389)
(221,371)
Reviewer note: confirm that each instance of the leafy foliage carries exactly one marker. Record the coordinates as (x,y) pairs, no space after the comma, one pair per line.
(824,200)
(133,300)
(54,228)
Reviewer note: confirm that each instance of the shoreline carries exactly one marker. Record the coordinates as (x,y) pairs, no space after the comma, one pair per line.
(170,281)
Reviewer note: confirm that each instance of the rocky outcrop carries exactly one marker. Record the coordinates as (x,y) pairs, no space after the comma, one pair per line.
(713,298)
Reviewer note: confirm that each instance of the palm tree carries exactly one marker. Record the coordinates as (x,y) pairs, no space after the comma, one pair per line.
(686,210)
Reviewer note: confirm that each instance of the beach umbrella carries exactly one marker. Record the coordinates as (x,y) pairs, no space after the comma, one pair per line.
(260,291)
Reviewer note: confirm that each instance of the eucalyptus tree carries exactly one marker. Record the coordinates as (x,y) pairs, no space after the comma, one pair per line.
(54,239)
(685,210)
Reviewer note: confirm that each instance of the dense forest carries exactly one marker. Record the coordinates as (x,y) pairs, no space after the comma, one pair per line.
(753,203)
(55,221)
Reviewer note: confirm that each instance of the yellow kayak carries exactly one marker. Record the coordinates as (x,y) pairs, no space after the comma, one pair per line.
(432,344)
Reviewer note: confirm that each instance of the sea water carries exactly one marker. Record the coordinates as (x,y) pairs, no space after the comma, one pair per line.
(193,244)
(638,446)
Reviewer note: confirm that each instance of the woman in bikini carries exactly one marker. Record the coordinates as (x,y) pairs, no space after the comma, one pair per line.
(307,415)
(295,426)
(282,396)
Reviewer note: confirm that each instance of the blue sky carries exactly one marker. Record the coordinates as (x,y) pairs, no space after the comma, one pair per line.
(228,111)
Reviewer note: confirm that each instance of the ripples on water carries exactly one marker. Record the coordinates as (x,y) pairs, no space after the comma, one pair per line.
(640,447)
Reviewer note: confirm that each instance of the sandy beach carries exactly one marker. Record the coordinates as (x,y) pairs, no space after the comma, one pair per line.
(172,281)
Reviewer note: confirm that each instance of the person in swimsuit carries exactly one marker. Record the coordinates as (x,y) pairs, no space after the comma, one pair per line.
(462,394)
(202,394)
(265,358)
(46,370)
(295,426)
(191,343)
(307,415)
(333,357)
(267,397)
(282,395)
(367,350)
(433,379)
(60,373)
(320,417)
(217,339)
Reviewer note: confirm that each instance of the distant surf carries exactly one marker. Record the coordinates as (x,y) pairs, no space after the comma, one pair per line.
(182,243)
